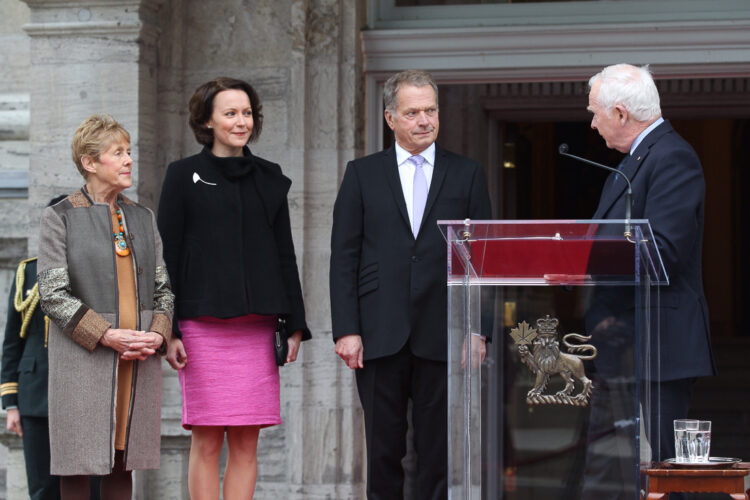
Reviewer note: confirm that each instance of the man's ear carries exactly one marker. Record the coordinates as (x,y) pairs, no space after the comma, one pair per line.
(388,118)
(622,114)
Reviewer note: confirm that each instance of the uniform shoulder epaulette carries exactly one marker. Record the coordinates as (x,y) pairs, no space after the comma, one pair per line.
(25,306)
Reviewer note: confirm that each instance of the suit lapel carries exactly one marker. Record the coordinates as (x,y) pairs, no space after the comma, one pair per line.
(394,182)
(613,190)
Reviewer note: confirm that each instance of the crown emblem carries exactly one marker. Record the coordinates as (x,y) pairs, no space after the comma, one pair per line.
(547,326)
(544,353)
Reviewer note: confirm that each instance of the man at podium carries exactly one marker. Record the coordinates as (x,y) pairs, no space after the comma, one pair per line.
(668,189)
(388,291)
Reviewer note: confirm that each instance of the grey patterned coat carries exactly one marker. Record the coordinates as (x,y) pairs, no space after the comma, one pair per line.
(78,290)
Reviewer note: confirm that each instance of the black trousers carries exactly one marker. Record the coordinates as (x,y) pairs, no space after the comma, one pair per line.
(42,485)
(385,387)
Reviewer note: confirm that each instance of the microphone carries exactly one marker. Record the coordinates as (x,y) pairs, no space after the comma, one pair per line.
(563,150)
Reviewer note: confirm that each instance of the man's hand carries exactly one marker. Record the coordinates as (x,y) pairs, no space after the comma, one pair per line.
(176,356)
(13,423)
(478,352)
(350,349)
(294,342)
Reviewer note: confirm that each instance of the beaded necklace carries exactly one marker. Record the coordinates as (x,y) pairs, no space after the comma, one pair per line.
(121,245)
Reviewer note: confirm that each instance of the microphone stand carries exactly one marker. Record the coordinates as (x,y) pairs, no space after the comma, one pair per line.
(628,233)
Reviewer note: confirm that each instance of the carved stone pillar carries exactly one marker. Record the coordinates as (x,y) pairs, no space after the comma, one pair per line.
(88,57)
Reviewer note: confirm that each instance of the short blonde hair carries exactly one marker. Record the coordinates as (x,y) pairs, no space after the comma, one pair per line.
(93,136)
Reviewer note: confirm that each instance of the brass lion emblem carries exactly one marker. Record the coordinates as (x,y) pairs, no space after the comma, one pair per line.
(545,360)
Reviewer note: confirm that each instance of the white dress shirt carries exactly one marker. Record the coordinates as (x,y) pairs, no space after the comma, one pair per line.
(643,134)
(406,173)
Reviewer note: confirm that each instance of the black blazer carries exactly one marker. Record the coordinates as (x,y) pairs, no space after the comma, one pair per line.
(669,191)
(217,267)
(25,359)
(386,285)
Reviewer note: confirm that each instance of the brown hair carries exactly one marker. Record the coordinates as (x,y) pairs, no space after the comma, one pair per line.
(93,136)
(202,106)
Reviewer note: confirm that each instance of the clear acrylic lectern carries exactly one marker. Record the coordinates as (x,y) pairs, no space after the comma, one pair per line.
(559,408)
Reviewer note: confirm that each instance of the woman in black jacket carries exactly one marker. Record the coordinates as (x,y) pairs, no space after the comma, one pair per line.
(224,220)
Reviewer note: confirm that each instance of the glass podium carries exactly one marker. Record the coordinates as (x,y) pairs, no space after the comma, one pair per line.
(560,406)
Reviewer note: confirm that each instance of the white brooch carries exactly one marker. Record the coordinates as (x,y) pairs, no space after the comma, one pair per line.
(197,178)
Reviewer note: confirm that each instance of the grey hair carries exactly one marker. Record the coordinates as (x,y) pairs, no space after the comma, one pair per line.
(630,86)
(414,77)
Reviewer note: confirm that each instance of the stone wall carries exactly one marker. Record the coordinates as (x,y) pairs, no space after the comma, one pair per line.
(14,169)
(140,60)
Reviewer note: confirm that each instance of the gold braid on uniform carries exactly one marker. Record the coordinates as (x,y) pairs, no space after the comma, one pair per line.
(25,307)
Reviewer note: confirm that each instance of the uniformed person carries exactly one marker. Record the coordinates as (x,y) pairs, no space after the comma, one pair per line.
(23,381)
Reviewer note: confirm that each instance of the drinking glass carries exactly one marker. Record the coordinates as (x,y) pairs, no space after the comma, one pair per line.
(681,428)
(699,442)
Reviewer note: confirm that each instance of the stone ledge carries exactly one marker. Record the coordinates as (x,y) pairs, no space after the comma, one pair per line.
(14,116)
(14,184)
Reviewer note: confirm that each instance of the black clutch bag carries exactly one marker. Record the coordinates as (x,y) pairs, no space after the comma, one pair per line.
(280,344)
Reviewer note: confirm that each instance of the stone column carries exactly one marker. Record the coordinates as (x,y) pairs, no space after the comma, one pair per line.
(324,434)
(302,56)
(87,57)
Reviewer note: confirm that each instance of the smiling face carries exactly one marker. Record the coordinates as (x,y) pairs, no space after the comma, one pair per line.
(231,122)
(415,121)
(112,171)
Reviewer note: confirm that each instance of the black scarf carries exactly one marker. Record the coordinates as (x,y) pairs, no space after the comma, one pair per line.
(256,227)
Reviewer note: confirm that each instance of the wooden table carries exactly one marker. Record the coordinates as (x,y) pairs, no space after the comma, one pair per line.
(662,482)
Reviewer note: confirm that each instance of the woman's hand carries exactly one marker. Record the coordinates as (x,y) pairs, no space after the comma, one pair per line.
(13,423)
(150,343)
(132,344)
(176,356)
(294,342)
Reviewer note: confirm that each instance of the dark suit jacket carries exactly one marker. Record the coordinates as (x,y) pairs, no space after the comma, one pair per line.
(386,285)
(25,359)
(669,191)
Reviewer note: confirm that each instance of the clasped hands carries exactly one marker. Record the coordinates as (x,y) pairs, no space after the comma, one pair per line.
(132,344)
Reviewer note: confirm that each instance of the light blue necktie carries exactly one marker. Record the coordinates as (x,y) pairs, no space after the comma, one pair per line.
(419,193)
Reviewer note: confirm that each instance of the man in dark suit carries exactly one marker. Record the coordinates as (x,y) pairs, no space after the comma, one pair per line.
(668,190)
(388,288)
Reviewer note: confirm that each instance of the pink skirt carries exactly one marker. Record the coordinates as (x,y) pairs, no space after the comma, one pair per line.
(231,377)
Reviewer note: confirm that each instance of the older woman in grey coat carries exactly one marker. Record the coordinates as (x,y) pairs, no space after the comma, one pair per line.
(103,283)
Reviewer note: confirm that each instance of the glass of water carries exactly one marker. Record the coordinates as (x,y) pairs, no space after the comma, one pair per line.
(699,442)
(681,429)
